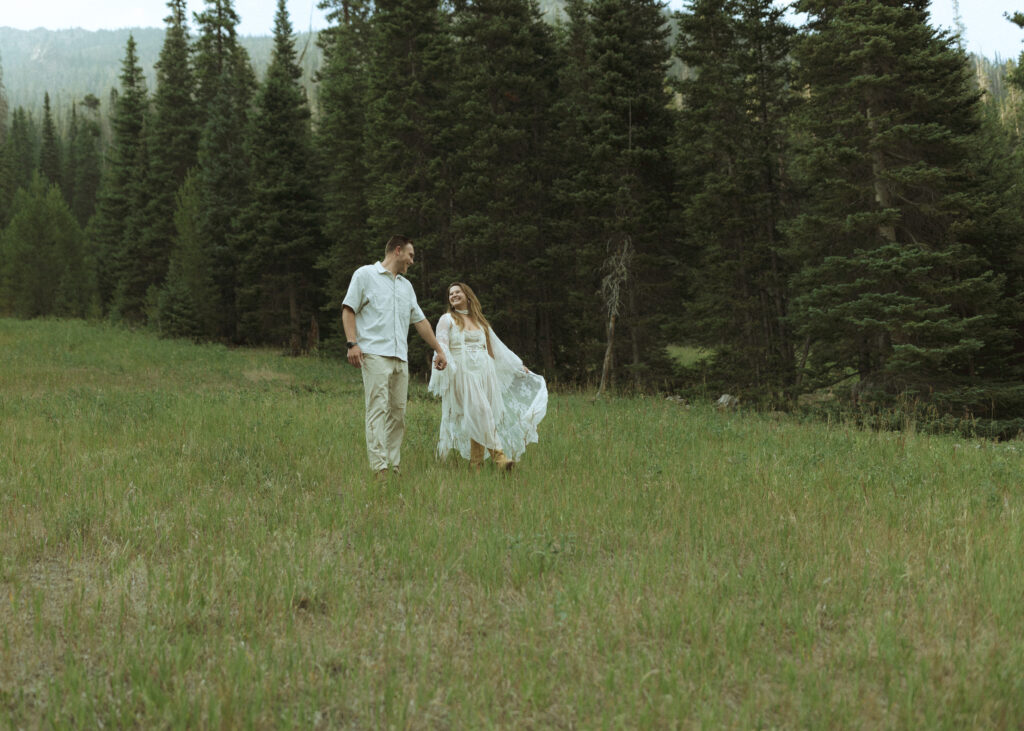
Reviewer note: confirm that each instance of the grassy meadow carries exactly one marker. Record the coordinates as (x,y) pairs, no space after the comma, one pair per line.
(190,537)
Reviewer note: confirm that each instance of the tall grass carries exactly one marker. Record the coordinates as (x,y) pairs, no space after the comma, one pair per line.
(190,537)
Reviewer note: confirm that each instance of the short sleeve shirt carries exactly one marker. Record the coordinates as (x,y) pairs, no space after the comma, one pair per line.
(384,307)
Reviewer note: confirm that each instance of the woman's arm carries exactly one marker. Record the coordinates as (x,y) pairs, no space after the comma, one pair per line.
(444,330)
(427,333)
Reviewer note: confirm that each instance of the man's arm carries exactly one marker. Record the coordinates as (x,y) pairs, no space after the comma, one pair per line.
(348,321)
(427,333)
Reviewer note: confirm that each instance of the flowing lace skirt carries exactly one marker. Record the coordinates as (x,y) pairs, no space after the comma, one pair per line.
(497,407)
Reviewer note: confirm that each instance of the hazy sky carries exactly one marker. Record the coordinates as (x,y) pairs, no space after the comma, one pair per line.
(988,32)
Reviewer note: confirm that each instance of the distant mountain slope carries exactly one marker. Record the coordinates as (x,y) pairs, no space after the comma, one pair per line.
(72,63)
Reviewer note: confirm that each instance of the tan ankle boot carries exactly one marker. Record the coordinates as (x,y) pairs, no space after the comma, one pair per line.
(501,461)
(476,454)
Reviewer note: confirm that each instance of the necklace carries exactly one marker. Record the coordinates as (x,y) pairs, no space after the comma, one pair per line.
(462,312)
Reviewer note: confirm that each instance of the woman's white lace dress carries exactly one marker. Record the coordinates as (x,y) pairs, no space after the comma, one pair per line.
(493,401)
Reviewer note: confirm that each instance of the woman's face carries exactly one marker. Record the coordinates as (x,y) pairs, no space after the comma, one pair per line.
(457,298)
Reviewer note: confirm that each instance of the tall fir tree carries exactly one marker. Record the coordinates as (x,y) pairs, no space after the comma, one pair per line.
(172,144)
(133,265)
(49,149)
(186,302)
(6,164)
(22,146)
(106,233)
(624,245)
(340,146)
(280,240)
(733,132)
(42,270)
(218,54)
(891,289)
(6,185)
(84,157)
(575,230)
(3,106)
(68,171)
(225,84)
(504,90)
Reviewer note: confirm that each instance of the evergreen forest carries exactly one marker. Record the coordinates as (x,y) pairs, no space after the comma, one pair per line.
(827,214)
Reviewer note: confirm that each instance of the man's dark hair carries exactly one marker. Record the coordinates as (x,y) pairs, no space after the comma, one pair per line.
(396,242)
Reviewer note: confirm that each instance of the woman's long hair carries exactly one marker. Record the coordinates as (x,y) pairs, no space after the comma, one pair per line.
(475,312)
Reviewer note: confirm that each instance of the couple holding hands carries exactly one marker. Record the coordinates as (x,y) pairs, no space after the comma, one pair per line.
(491,403)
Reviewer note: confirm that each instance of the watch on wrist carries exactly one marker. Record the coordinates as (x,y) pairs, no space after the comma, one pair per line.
(351,344)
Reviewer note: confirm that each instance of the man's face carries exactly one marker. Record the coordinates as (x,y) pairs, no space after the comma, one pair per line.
(406,254)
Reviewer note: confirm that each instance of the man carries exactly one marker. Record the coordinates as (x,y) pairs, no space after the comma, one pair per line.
(376,313)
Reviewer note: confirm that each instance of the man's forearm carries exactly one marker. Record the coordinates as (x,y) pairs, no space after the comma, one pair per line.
(427,333)
(348,322)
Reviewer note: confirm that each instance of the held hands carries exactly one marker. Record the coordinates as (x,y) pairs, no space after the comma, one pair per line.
(440,363)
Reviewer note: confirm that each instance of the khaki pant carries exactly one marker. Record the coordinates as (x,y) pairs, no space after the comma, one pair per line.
(386,387)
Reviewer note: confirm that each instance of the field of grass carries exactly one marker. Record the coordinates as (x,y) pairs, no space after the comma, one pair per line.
(190,537)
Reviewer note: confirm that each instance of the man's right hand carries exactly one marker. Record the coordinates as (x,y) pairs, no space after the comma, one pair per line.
(355,356)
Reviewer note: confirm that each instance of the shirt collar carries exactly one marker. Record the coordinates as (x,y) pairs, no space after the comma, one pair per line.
(381,269)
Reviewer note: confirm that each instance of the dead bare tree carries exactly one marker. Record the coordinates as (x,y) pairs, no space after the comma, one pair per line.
(616,268)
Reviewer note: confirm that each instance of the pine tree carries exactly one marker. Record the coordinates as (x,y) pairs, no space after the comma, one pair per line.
(106,233)
(732,140)
(41,263)
(219,55)
(225,83)
(622,193)
(134,262)
(891,289)
(575,228)
(3,106)
(186,303)
(22,143)
(340,144)
(84,159)
(68,170)
(49,151)
(6,185)
(504,91)
(6,164)
(172,143)
(280,240)
(175,128)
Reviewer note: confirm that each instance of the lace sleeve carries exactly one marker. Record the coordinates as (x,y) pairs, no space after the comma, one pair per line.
(444,330)
(507,365)
(503,357)
(525,397)
(439,380)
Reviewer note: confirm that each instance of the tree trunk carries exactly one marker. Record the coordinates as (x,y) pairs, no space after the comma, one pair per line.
(296,325)
(607,369)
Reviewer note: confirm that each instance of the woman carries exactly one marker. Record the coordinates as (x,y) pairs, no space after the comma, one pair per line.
(490,402)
